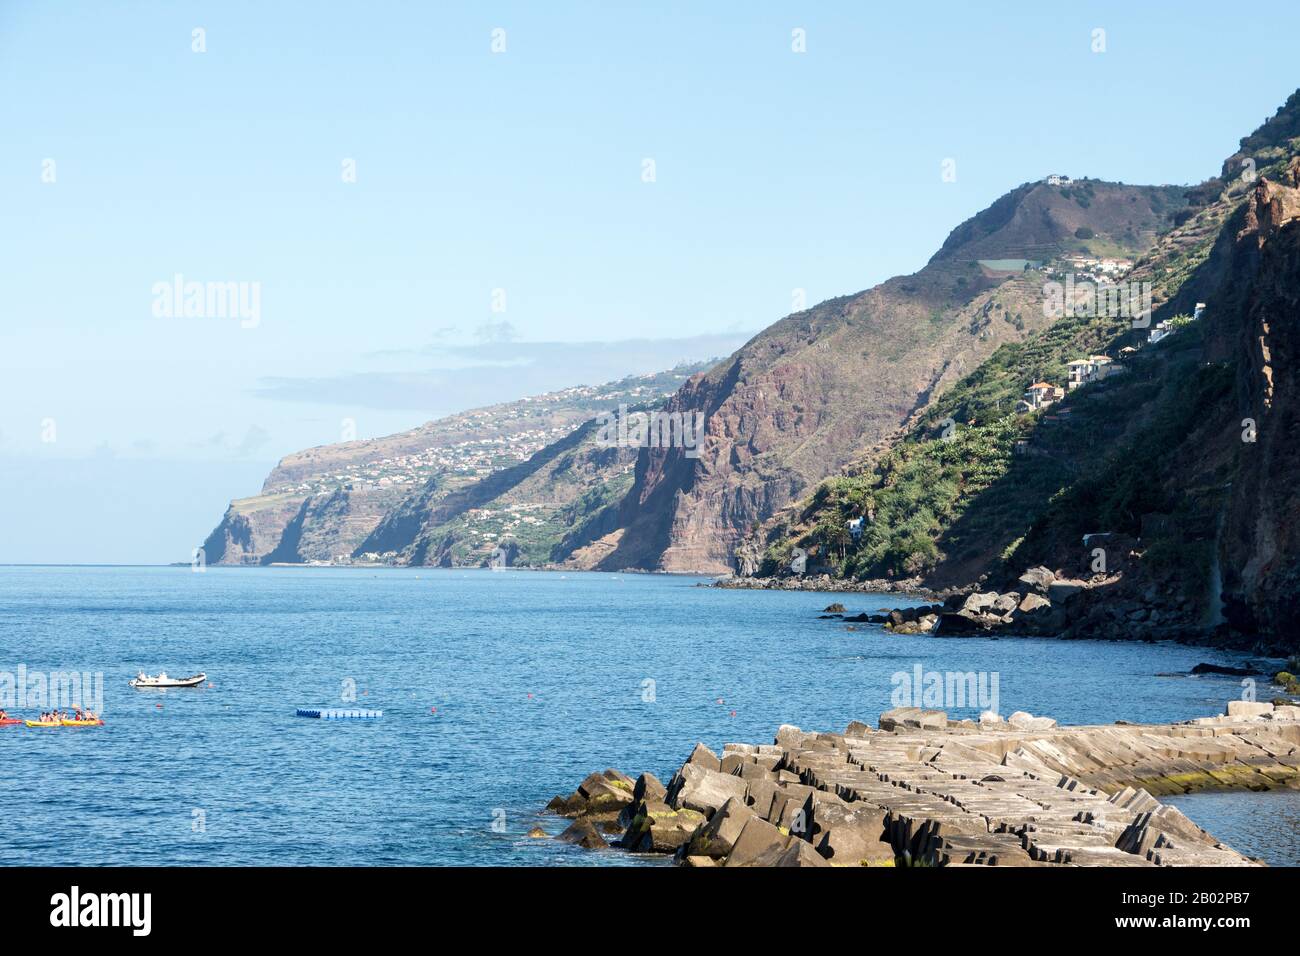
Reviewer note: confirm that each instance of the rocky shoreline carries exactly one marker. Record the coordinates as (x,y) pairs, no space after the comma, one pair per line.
(824,582)
(1042,603)
(923,790)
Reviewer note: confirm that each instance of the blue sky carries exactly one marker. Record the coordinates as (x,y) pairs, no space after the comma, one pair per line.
(519,171)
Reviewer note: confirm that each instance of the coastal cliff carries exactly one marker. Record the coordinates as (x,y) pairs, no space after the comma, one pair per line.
(384,499)
(802,399)
(1162,493)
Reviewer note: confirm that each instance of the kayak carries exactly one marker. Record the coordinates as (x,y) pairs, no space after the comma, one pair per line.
(41,723)
(82,723)
(11,721)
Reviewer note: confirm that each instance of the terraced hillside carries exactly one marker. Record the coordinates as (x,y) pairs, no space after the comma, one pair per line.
(802,399)
(1152,462)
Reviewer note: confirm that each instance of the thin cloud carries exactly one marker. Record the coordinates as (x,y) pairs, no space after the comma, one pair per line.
(498,371)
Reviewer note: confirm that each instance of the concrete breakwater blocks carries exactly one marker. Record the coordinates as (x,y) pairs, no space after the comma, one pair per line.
(924,790)
(338,714)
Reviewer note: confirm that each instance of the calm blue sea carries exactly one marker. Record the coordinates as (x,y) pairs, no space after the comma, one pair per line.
(499,690)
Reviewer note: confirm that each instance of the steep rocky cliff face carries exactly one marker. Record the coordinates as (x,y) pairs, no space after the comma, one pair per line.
(1200,496)
(1260,333)
(325,503)
(803,398)
(1168,488)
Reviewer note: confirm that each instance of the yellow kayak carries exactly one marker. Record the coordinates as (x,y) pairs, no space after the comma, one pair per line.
(41,723)
(81,723)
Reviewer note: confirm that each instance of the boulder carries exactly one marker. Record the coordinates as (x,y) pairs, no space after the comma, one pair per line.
(702,756)
(787,812)
(716,837)
(606,792)
(1006,603)
(797,853)
(857,728)
(1023,720)
(600,794)
(758,770)
(537,833)
(848,834)
(835,608)
(660,828)
(976,603)
(756,837)
(789,737)
(914,718)
(619,778)
(959,625)
(1037,579)
(648,787)
(565,806)
(1248,708)
(1032,602)
(990,719)
(1058,592)
(703,790)
(584,833)
(760,796)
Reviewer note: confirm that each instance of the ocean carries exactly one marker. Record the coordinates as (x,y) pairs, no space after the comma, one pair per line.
(498,691)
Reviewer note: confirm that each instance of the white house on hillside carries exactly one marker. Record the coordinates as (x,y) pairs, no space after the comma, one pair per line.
(1040,395)
(1092,369)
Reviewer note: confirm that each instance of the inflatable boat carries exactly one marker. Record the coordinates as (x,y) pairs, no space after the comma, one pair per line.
(143,681)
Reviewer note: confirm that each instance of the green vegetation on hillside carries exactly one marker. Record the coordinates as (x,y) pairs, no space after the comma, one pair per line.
(913,493)
(968,500)
(1145,473)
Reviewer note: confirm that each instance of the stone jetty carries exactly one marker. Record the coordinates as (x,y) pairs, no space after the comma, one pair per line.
(922,790)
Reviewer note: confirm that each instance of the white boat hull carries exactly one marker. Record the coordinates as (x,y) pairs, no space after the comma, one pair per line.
(162,683)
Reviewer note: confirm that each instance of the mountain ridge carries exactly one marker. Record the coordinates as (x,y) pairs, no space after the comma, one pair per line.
(1155,464)
(794,403)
